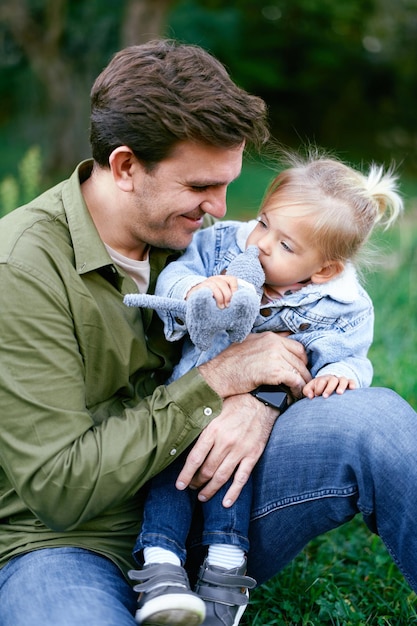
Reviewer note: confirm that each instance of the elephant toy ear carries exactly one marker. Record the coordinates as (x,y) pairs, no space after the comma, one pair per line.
(203,318)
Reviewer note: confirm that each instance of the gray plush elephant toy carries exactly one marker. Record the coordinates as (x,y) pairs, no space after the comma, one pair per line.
(202,317)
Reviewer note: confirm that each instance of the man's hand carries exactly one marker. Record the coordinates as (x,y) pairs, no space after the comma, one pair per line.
(231,444)
(263,358)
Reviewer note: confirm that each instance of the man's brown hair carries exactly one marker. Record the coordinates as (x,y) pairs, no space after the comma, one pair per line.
(152,96)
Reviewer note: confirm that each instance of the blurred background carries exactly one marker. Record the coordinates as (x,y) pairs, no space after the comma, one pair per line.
(341,74)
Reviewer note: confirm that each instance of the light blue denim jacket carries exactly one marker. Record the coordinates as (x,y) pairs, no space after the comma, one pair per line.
(333,321)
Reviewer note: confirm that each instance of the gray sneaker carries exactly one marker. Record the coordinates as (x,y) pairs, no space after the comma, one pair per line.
(225,593)
(165,597)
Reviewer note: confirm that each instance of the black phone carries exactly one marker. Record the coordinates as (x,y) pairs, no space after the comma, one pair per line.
(273,395)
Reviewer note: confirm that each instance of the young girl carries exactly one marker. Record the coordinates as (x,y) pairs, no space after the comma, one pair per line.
(314,221)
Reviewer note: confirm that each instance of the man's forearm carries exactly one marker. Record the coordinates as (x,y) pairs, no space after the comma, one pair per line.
(264,358)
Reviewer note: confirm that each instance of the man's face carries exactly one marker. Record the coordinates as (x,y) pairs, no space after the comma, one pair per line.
(169,203)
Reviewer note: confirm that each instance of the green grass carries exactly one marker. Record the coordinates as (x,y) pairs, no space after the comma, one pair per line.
(346,576)
(393,288)
(343,578)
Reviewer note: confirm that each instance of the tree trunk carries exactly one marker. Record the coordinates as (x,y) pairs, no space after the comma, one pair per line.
(64,120)
(63,126)
(144,20)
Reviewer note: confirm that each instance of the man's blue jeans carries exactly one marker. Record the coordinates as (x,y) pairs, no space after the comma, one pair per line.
(168,514)
(64,587)
(326,460)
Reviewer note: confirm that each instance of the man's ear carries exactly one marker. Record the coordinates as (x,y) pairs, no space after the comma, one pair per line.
(327,272)
(122,162)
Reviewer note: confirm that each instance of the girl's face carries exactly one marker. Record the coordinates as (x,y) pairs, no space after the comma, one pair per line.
(286,247)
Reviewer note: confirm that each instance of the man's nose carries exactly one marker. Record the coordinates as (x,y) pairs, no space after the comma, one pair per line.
(215,203)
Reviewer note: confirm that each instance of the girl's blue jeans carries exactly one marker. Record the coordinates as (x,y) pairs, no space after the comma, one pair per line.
(168,514)
(326,461)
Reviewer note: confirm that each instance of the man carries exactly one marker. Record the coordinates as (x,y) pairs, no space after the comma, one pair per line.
(86,419)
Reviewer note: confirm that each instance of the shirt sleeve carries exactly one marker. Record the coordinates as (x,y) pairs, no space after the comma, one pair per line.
(342,352)
(69,463)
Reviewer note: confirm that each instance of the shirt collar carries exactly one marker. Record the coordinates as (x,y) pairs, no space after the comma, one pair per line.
(90,253)
(343,288)
(89,250)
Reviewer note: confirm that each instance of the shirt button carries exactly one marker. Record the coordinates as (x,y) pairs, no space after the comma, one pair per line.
(173,452)
(304,326)
(208,411)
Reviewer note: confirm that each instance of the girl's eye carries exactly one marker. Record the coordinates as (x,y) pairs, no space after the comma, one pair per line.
(203,188)
(261,222)
(285,246)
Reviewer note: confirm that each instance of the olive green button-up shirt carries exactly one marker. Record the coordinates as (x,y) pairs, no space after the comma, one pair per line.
(85,420)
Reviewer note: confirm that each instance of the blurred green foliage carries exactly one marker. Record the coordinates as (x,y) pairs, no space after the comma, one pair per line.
(19,189)
(342,74)
(339,73)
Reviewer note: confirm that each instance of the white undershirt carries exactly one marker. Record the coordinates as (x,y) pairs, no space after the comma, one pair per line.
(140,271)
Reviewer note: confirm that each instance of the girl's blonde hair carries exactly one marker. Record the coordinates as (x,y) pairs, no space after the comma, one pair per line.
(347,203)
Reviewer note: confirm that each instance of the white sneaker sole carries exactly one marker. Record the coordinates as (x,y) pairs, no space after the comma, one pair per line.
(172,609)
(239,614)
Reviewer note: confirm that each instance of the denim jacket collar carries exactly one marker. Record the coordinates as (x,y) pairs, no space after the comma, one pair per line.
(343,288)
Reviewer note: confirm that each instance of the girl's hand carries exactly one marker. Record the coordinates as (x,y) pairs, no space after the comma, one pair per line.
(326,385)
(222,286)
